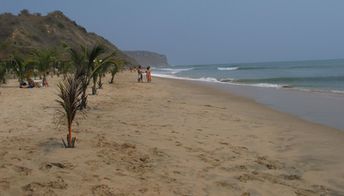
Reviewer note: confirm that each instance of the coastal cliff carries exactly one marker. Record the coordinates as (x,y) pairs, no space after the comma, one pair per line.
(147,58)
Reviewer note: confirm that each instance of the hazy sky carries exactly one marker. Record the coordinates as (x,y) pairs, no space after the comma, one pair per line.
(209,31)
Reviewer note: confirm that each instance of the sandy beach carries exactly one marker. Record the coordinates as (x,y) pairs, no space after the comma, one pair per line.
(168,137)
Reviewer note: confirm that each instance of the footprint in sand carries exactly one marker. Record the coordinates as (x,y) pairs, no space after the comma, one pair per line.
(37,189)
(210,160)
(93,164)
(45,188)
(261,160)
(3,154)
(248,177)
(52,165)
(102,190)
(241,168)
(22,170)
(119,172)
(228,185)
(200,142)
(159,153)
(16,159)
(4,185)
(283,148)
(291,177)
(317,190)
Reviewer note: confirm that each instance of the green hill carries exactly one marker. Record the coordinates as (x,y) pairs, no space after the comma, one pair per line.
(25,32)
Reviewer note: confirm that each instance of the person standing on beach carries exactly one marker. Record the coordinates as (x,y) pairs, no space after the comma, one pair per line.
(139,74)
(148,74)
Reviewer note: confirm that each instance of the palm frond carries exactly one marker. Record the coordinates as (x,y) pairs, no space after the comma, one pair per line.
(96,51)
(70,97)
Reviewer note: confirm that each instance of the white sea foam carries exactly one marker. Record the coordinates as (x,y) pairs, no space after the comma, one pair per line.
(208,79)
(171,76)
(267,85)
(227,80)
(204,79)
(337,91)
(261,85)
(227,68)
(172,71)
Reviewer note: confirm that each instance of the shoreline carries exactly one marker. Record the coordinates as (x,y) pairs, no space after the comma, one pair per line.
(319,107)
(157,138)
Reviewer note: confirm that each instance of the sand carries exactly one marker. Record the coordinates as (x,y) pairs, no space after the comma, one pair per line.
(168,137)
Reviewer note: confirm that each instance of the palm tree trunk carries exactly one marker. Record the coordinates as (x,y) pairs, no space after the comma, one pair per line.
(100,84)
(94,88)
(21,81)
(45,82)
(69,136)
(83,99)
(112,77)
(83,102)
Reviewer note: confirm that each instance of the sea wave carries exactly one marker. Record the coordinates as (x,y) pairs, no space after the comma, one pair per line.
(293,79)
(208,79)
(204,79)
(172,71)
(337,91)
(256,83)
(227,68)
(159,75)
(268,85)
(286,67)
(226,80)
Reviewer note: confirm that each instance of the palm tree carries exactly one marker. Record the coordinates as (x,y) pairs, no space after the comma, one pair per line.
(96,75)
(64,67)
(100,74)
(78,59)
(23,69)
(87,64)
(70,100)
(43,60)
(114,68)
(96,64)
(3,72)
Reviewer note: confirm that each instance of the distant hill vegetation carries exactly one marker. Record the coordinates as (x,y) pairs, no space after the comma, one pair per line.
(147,58)
(25,32)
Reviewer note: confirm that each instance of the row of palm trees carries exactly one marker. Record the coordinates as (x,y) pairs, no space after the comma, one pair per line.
(93,61)
(37,66)
(83,66)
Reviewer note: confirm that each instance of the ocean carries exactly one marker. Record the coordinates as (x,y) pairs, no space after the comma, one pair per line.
(311,90)
(321,75)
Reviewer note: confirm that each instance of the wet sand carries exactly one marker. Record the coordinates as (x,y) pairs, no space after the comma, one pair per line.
(168,137)
(319,107)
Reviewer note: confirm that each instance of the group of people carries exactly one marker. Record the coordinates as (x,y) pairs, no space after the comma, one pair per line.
(32,83)
(141,71)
